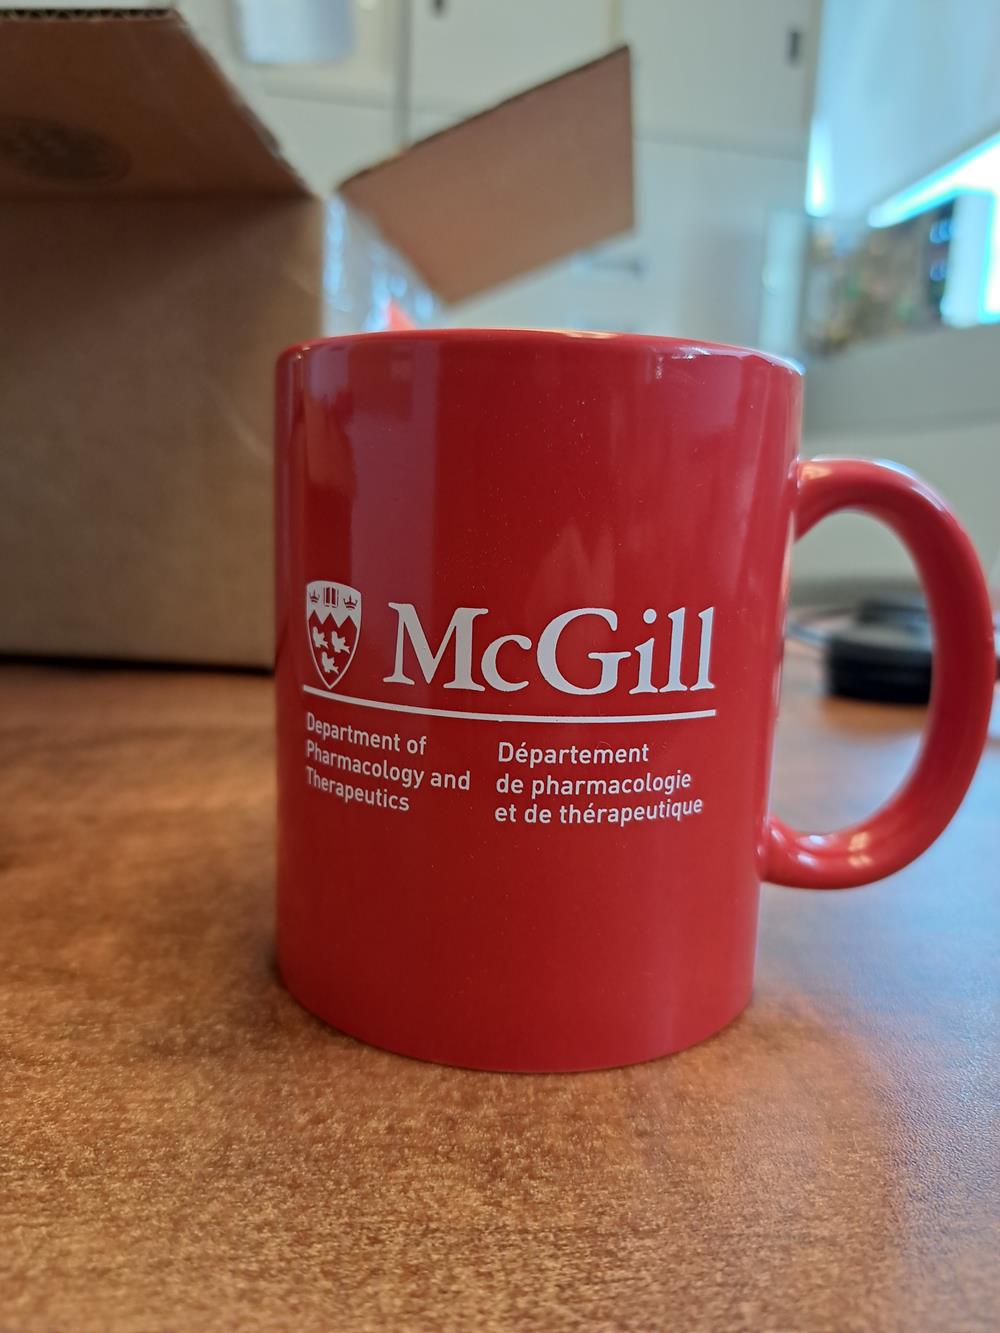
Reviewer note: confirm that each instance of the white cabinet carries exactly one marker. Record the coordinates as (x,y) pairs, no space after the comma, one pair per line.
(469,54)
(464,55)
(364,77)
(736,74)
(731,72)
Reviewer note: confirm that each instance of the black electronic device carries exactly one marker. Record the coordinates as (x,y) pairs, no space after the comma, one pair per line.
(881,649)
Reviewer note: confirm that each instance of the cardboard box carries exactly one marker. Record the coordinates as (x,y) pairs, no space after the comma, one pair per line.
(157,252)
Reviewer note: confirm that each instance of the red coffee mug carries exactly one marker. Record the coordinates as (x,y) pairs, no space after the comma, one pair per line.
(530,596)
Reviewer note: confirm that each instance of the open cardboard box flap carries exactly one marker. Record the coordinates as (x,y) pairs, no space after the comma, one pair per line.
(131,103)
(157,252)
(529,181)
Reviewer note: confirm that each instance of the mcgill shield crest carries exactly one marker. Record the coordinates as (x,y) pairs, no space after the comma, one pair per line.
(333,625)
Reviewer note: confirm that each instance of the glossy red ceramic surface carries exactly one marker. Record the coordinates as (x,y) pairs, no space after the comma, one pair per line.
(530,593)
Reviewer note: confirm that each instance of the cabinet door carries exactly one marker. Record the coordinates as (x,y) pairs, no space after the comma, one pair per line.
(733,72)
(468,54)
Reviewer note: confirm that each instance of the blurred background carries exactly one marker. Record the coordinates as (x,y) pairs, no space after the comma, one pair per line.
(817,178)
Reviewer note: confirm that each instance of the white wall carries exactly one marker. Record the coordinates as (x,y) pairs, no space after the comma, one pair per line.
(930,401)
(903,86)
(693,266)
(959,461)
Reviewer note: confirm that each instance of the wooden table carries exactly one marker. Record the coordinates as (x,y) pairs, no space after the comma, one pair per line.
(185,1149)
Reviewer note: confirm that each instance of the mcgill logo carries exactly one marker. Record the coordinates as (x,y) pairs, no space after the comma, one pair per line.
(506,662)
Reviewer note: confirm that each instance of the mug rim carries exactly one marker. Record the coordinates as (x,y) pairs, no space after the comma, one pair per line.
(674,348)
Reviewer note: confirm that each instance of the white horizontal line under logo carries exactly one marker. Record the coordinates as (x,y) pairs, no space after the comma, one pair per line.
(503,717)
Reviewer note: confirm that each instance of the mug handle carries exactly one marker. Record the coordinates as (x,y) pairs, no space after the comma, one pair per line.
(961,689)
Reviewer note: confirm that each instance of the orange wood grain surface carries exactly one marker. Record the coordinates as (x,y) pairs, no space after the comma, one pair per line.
(183,1148)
